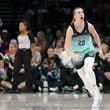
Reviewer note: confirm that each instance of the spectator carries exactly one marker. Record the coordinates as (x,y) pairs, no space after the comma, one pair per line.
(52,75)
(1,24)
(14,41)
(69,78)
(1,44)
(36,55)
(49,37)
(59,47)
(51,54)
(4,81)
(37,78)
(107,75)
(4,40)
(107,40)
(41,38)
(58,35)
(9,59)
(36,68)
(106,51)
(98,69)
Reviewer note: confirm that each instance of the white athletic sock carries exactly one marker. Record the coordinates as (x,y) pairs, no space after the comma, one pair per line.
(88,77)
(89,61)
(85,80)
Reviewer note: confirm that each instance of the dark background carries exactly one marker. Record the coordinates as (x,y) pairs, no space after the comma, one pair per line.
(42,14)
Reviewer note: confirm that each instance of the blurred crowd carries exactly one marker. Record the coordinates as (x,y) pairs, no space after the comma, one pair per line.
(42,14)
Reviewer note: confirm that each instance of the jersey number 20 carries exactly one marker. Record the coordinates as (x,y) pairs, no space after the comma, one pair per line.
(81,42)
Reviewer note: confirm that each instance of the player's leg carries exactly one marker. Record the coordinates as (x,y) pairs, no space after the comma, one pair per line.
(85,80)
(88,68)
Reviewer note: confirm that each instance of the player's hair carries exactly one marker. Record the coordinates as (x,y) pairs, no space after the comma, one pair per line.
(74,10)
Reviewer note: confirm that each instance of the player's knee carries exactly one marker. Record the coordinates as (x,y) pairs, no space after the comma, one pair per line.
(87,69)
(94,85)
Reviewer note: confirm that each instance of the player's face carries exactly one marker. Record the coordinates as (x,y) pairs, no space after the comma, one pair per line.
(79,14)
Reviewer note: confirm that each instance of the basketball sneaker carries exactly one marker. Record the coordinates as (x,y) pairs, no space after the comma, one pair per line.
(96,102)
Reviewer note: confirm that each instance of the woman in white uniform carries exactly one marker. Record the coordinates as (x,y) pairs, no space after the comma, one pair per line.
(23,56)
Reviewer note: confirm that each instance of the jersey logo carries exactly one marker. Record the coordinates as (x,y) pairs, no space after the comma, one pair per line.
(85,31)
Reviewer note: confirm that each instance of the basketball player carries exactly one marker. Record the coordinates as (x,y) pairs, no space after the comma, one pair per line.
(79,46)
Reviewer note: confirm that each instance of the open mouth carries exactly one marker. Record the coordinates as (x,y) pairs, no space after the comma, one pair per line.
(82,18)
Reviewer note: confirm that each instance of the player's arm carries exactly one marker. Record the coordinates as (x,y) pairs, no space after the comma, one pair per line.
(95,36)
(69,34)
